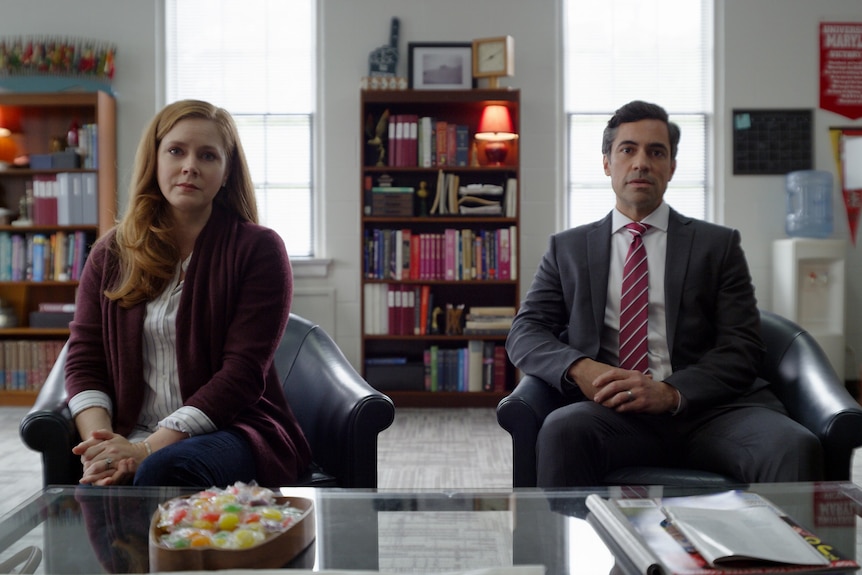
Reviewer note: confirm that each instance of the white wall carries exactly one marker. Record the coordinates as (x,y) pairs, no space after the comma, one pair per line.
(766,56)
(769,58)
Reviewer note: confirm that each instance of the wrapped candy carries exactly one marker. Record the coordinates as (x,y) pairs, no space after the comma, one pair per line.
(238,517)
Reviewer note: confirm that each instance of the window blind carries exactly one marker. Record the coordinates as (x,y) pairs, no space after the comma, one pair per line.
(616,51)
(256,59)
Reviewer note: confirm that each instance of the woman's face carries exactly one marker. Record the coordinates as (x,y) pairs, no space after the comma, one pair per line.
(191,166)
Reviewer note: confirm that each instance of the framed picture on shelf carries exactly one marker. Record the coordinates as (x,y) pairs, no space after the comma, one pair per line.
(440,65)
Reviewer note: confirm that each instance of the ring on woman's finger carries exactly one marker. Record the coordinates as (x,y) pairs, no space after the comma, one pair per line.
(108,463)
(630,394)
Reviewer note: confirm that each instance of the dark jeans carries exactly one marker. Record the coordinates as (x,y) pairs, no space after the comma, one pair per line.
(215,459)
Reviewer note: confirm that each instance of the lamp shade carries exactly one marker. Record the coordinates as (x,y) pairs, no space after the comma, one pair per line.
(10,120)
(10,124)
(496,124)
(495,133)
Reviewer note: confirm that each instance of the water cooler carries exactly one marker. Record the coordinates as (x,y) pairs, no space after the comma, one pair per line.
(808,288)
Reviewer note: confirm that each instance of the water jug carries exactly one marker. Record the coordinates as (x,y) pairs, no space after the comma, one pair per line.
(809,204)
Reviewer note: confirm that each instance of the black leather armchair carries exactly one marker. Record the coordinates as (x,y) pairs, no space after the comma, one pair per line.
(800,374)
(339,412)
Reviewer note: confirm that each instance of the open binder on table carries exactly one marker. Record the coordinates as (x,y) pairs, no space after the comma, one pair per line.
(728,533)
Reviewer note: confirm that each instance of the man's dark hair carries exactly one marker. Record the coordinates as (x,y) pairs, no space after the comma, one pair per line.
(634,112)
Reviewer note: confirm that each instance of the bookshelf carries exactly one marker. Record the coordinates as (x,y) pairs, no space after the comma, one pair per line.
(42,119)
(419,262)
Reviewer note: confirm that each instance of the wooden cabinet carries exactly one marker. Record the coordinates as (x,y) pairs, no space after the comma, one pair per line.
(42,124)
(426,274)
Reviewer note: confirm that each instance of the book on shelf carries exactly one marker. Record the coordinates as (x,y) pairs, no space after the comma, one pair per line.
(452,182)
(38,257)
(451,254)
(438,206)
(400,309)
(65,198)
(431,142)
(480,199)
(25,364)
(488,366)
(465,369)
(511,197)
(728,533)
(489,320)
(492,310)
(402,143)
(391,141)
(44,192)
(480,190)
(462,145)
(504,260)
(411,132)
(442,143)
(57,307)
(471,206)
(501,381)
(433,368)
(489,323)
(475,351)
(426,142)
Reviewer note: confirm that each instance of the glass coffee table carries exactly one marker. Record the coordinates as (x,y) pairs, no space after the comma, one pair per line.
(105,530)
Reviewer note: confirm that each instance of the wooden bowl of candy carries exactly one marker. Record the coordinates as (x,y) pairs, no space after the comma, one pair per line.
(240,527)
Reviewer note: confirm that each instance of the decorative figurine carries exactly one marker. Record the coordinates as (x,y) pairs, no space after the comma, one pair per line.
(423,199)
(383,61)
(435,323)
(453,319)
(25,210)
(376,140)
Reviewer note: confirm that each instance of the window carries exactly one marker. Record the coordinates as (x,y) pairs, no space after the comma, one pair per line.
(622,50)
(255,58)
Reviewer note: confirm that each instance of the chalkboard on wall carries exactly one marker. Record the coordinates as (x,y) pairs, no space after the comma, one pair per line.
(772,141)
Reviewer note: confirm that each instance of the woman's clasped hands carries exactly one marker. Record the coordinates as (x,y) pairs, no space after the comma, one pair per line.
(109,458)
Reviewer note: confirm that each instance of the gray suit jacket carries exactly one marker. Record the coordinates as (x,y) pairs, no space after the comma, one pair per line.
(713,324)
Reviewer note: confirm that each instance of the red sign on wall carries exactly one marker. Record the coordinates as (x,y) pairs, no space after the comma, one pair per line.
(841,68)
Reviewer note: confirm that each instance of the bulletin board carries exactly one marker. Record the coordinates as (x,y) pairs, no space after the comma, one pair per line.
(772,141)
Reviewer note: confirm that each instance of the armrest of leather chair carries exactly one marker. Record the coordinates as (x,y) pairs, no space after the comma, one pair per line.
(339,412)
(803,379)
(48,428)
(521,413)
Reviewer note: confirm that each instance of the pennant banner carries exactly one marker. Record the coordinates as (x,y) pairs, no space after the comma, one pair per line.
(847,148)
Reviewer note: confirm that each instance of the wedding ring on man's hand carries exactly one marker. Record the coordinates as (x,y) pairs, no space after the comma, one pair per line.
(108,463)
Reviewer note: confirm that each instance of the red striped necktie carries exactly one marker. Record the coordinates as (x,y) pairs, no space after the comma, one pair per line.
(634,303)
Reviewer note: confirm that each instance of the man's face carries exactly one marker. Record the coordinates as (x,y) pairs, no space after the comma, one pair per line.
(640,166)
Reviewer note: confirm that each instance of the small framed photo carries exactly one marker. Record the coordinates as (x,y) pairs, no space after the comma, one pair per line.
(440,65)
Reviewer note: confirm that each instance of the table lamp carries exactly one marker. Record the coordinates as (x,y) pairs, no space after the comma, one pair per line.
(496,131)
(9,124)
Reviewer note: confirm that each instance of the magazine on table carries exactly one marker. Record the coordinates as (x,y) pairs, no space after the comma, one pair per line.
(730,533)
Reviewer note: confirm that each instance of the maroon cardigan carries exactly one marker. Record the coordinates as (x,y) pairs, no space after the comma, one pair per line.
(233,310)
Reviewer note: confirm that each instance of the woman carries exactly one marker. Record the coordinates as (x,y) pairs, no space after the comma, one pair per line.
(179,311)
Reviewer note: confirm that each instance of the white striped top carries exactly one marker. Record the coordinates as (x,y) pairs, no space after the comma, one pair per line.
(163,406)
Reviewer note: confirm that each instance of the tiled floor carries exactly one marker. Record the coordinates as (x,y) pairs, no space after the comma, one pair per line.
(20,467)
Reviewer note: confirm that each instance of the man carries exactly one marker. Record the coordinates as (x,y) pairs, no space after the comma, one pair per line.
(694,399)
